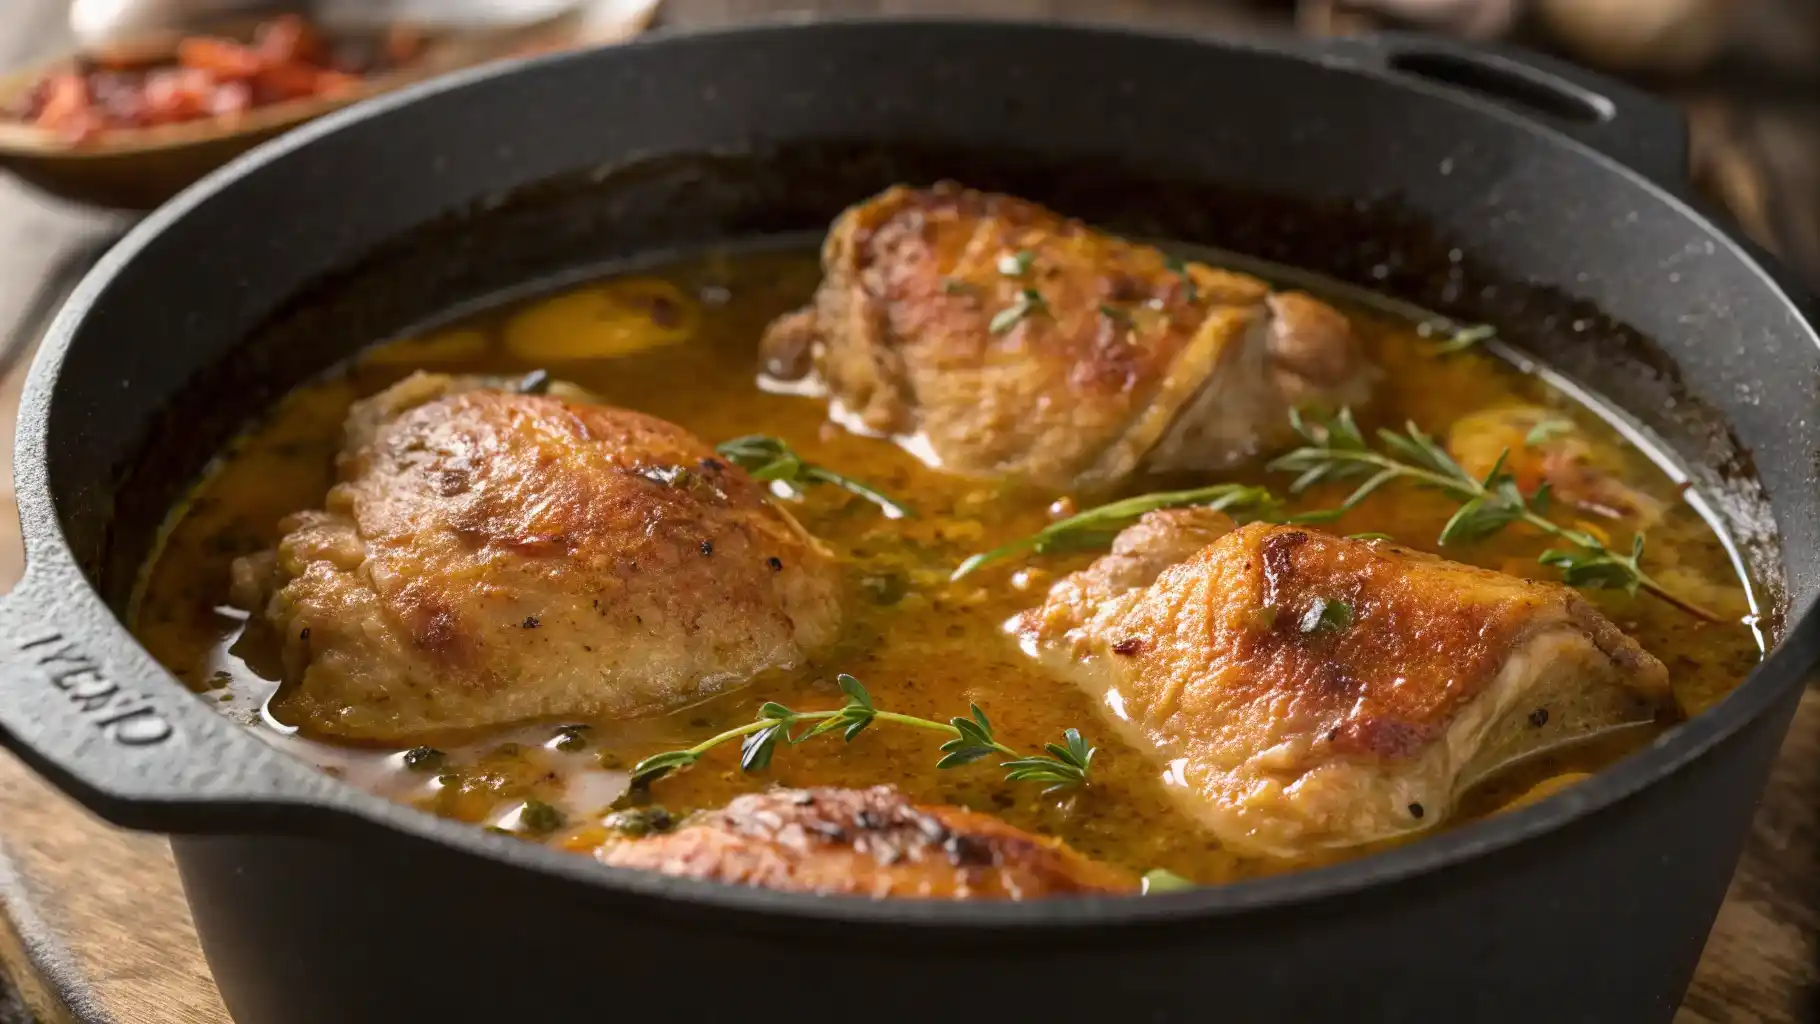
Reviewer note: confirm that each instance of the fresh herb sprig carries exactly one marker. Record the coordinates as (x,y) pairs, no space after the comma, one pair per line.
(1337,449)
(772,460)
(971,738)
(1066,764)
(1603,568)
(1029,302)
(1096,527)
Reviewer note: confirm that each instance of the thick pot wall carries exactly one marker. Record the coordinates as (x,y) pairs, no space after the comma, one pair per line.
(1599,923)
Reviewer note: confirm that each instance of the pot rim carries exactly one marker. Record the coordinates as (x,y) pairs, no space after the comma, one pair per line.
(1785,667)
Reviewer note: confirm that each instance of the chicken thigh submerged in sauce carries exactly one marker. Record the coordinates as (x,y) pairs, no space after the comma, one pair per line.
(1007,567)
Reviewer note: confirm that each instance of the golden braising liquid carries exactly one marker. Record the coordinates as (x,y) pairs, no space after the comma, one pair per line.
(922,644)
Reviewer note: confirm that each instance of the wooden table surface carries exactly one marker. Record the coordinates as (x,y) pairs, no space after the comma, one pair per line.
(95,927)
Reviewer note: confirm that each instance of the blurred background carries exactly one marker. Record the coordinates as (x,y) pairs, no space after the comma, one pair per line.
(1746,71)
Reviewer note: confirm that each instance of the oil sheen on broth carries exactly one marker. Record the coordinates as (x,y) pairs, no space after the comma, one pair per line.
(921,644)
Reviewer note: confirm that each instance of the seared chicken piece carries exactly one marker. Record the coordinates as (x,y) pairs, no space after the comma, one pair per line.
(490,556)
(866,842)
(1303,691)
(1545,446)
(997,338)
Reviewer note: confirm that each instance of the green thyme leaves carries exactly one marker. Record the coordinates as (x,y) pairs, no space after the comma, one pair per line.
(1596,566)
(1066,764)
(971,739)
(1336,449)
(1096,527)
(771,460)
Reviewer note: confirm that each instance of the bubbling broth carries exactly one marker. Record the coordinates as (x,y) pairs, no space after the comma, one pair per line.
(679,342)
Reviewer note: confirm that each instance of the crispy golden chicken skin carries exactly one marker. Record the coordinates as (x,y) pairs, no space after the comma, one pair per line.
(866,842)
(1009,341)
(491,556)
(1302,691)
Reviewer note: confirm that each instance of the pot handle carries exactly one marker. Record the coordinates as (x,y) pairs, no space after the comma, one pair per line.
(1615,118)
(91,717)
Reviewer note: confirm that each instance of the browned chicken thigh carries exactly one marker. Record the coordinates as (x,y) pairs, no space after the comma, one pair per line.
(491,556)
(1302,691)
(866,842)
(996,338)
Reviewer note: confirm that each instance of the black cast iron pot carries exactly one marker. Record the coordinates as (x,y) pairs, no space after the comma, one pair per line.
(1486,186)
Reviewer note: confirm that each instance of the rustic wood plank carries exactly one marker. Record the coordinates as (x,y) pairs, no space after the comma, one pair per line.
(95,927)
(1760,960)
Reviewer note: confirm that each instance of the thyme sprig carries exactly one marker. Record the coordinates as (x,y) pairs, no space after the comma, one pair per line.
(772,460)
(1337,449)
(1096,527)
(971,738)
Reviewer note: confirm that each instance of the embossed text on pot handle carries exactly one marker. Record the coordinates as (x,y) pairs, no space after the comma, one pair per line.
(105,724)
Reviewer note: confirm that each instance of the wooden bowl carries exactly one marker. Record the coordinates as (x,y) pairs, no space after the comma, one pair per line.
(139,168)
